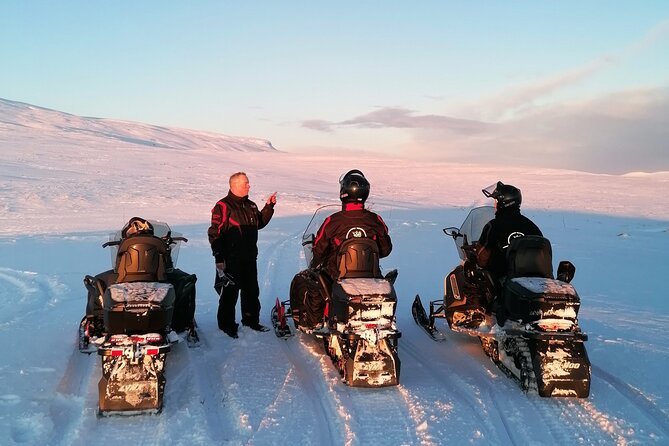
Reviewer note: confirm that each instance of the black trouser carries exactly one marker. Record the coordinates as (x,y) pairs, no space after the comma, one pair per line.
(246,283)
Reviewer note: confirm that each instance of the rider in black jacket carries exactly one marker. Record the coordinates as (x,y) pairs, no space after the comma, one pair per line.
(233,235)
(508,224)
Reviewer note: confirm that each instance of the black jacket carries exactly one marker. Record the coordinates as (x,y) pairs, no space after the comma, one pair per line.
(233,234)
(497,234)
(352,221)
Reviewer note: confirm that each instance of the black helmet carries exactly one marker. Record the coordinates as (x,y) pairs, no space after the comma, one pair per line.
(353,187)
(506,195)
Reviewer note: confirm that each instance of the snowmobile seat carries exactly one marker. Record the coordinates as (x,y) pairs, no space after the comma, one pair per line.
(143,258)
(530,256)
(358,258)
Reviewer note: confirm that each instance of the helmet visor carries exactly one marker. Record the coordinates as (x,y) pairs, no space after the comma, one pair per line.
(492,190)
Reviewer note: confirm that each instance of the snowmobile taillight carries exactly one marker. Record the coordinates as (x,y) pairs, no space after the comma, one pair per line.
(371,326)
(554,325)
(137,339)
(117,352)
(118,339)
(153,337)
(152,351)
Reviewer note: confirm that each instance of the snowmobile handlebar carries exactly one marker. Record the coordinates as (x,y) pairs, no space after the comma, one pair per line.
(168,239)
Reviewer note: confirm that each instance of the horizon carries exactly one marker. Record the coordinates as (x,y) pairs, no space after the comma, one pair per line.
(577,87)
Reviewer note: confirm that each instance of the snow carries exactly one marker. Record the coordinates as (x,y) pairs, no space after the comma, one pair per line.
(63,190)
(362,287)
(540,285)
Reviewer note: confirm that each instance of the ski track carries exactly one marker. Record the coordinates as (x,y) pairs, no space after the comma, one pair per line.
(441,374)
(209,397)
(27,293)
(335,405)
(324,412)
(568,421)
(323,402)
(67,410)
(636,398)
(569,425)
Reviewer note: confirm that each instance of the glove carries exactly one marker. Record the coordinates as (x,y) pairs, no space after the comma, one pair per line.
(220,269)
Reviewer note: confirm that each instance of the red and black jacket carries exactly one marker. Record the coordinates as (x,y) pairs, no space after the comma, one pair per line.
(233,234)
(352,221)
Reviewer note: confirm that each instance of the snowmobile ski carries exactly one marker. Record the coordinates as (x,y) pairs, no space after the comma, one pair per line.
(279,320)
(424,321)
(192,338)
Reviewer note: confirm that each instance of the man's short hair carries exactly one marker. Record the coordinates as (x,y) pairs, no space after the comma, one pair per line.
(236,175)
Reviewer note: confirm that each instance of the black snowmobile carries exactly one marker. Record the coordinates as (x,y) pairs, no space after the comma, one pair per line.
(133,314)
(357,317)
(528,326)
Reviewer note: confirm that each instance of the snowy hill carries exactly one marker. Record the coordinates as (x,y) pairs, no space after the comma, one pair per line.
(64,185)
(17,118)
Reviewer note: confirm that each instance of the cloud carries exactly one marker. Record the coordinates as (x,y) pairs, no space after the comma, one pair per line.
(521,97)
(618,133)
(524,125)
(396,117)
(318,124)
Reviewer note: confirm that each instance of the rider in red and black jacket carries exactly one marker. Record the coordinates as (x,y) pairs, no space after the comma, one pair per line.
(233,235)
(352,221)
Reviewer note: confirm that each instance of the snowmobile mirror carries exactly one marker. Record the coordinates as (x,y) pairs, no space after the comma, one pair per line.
(453,232)
(566,271)
(309,240)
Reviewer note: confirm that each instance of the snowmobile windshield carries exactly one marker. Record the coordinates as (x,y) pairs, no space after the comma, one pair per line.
(160,229)
(473,226)
(314,225)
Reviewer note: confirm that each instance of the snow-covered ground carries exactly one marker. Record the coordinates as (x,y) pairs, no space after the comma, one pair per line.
(62,190)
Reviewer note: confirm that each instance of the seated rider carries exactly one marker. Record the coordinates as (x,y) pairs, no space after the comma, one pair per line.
(497,234)
(352,221)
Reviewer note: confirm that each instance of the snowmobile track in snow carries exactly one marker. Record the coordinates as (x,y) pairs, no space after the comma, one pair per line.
(217,422)
(333,401)
(68,408)
(314,384)
(309,379)
(637,398)
(445,377)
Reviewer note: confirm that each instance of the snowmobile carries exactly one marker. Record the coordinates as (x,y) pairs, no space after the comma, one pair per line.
(133,314)
(528,324)
(358,326)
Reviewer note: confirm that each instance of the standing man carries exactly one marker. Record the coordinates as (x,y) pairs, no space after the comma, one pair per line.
(233,236)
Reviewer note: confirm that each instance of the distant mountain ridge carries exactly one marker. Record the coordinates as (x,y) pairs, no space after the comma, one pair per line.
(19,117)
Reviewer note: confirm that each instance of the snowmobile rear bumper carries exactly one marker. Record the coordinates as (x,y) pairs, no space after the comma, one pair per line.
(132,379)
(562,368)
(373,365)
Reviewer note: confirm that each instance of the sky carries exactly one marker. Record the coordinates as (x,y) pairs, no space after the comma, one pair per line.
(571,84)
